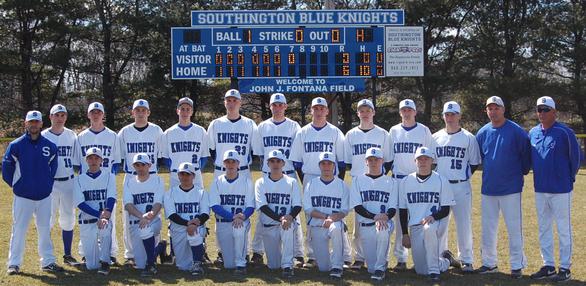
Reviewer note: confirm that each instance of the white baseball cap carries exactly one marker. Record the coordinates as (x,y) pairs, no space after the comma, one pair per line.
(141,158)
(185,100)
(186,167)
(407,103)
(94,106)
(140,103)
(496,100)
(276,154)
(33,115)
(327,156)
(230,155)
(423,151)
(94,151)
(547,101)
(374,152)
(57,108)
(451,106)
(365,102)
(319,101)
(278,98)
(232,93)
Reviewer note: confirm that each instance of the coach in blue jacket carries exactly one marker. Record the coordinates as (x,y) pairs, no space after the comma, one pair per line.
(29,166)
(555,155)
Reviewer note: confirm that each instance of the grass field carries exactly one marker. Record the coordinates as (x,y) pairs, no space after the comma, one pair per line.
(31,274)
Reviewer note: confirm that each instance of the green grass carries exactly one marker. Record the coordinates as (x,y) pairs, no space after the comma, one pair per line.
(31,274)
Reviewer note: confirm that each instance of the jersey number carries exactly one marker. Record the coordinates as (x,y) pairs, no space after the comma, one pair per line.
(194,159)
(280,211)
(456,164)
(240,149)
(285,152)
(67,162)
(236,210)
(105,162)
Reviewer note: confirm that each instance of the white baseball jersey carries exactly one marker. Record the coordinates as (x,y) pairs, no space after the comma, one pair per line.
(375,195)
(233,196)
(66,150)
(280,196)
(93,191)
(310,142)
(146,141)
(454,153)
(402,145)
(333,197)
(424,197)
(226,135)
(186,203)
(276,136)
(181,144)
(106,140)
(144,195)
(357,141)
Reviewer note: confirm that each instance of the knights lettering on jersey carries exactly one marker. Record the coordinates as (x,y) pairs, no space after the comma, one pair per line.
(95,195)
(277,141)
(185,146)
(238,138)
(423,197)
(450,151)
(186,208)
(318,146)
(327,202)
(406,147)
(140,147)
(143,198)
(64,151)
(360,149)
(374,196)
(277,198)
(233,200)
(106,150)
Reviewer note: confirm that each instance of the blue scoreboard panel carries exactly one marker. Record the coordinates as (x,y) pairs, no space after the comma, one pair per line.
(277,52)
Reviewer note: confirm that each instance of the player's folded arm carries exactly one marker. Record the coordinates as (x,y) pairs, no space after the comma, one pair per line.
(270,213)
(295,211)
(362,211)
(88,210)
(442,213)
(219,210)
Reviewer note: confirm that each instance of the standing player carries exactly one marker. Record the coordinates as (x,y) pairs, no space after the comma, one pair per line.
(276,133)
(279,200)
(101,137)
(232,200)
(506,157)
(374,198)
(457,157)
(95,196)
(326,204)
(425,198)
(141,136)
(187,207)
(404,139)
(29,166)
(358,140)
(143,200)
(62,194)
(555,155)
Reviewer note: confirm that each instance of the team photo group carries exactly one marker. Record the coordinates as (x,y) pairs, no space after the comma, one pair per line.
(406,183)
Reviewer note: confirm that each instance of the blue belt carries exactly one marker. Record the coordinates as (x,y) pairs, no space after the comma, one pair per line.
(367,224)
(175,170)
(133,222)
(134,173)
(64,179)
(269,225)
(87,221)
(224,169)
(284,172)
(399,176)
(457,181)
(223,220)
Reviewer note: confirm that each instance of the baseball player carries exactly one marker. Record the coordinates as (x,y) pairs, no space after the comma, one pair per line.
(374,198)
(404,139)
(310,141)
(232,200)
(277,133)
(143,198)
(357,141)
(141,136)
(187,207)
(62,194)
(457,157)
(555,155)
(279,200)
(95,196)
(326,204)
(425,198)
(101,137)
(506,158)
(29,166)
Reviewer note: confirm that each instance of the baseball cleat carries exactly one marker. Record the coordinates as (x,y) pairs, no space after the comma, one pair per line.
(401,266)
(486,270)
(357,265)
(53,267)
(219,260)
(129,262)
(563,275)
(309,264)
(516,273)
(450,257)
(13,270)
(104,268)
(434,277)
(197,269)
(378,275)
(113,261)
(336,273)
(148,271)
(206,259)
(298,262)
(70,260)
(467,268)
(544,272)
(288,272)
(240,270)
(347,265)
(257,259)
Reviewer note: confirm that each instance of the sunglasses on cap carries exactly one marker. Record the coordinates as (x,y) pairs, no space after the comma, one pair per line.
(543,109)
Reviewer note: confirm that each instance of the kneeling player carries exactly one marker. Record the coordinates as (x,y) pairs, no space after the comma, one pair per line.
(374,198)
(143,197)
(187,208)
(325,200)
(279,199)
(95,195)
(425,198)
(232,200)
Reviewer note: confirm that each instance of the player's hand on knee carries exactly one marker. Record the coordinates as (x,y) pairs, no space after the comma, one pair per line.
(192,229)
(381,224)
(427,220)
(237,223)
(406,241)
(286,221)
(102,223)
